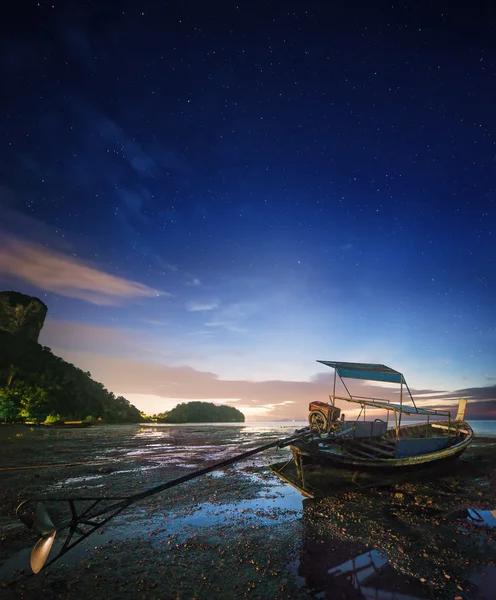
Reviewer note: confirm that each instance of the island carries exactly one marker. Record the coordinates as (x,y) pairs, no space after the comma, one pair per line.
(200,412)
(36,386)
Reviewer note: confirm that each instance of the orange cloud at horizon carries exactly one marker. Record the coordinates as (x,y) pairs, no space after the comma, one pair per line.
(56,272)
(154,387)
(156,376)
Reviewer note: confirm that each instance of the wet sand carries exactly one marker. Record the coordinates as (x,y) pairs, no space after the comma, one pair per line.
(241,532)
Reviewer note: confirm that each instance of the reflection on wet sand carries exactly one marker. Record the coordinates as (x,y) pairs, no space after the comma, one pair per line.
(332,568)
(486,518)
(384,546)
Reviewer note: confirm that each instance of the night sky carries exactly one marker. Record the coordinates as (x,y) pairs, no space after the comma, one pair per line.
(211,196)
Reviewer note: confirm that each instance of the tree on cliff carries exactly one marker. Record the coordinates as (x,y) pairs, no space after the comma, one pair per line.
(201,412)
(35,383)
(21,314)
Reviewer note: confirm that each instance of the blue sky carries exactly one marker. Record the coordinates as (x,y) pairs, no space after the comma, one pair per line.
(197,191)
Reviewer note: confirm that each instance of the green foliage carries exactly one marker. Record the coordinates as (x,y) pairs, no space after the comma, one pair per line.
(34,383)
(22,401)
(9,405)
(160,417)
(53,418)
(201,412)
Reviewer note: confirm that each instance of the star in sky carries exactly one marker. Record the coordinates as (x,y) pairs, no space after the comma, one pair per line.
(225,193)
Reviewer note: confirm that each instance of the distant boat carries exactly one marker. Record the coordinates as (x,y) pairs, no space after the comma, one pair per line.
(64,425)
(371,445)
(74,424)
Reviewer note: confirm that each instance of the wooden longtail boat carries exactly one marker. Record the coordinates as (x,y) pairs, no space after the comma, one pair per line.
(73,424)
(372,445)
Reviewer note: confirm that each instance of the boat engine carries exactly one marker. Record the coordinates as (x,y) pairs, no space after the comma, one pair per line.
(323,417)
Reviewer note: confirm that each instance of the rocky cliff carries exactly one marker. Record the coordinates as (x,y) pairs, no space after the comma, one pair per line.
(22,315)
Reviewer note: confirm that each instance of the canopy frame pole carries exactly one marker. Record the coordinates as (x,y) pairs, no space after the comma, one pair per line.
(358,419)
(401,399)
(345,386)
(334,389)
(409,393)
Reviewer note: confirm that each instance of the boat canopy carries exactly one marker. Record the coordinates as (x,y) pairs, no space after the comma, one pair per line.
(368,371)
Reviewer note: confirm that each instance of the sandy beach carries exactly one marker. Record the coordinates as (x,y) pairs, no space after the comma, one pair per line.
(240,532)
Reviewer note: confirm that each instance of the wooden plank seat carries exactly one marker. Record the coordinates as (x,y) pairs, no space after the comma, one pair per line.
(379,449)
(371,448)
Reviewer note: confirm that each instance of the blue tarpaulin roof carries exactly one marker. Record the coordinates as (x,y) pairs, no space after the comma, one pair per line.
(370,371)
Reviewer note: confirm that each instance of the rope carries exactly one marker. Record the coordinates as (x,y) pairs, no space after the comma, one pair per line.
(85,462)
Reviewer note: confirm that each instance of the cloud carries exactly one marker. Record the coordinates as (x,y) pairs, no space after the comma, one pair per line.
(201,306)
(114,341)
(66,275)
(193,281)
(232,316)
(484,409)
(257,399)
(164,265)
(481,401)
(474,393)
(155,322)
(134,377)
(478,393)
(86,337)
(165,383)
(428,394)
(229,325)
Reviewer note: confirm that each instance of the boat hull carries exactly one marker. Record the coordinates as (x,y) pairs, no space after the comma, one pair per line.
(341,458)
(316,473)
(321,480)
(378,464)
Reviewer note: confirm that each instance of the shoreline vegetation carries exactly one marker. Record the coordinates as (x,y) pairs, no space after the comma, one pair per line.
(199,412)
(184,413)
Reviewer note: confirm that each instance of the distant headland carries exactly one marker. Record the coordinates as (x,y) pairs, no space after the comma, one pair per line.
(200,412)
(38,387)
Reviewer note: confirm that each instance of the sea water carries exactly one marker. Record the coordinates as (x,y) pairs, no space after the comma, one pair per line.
(481,428)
